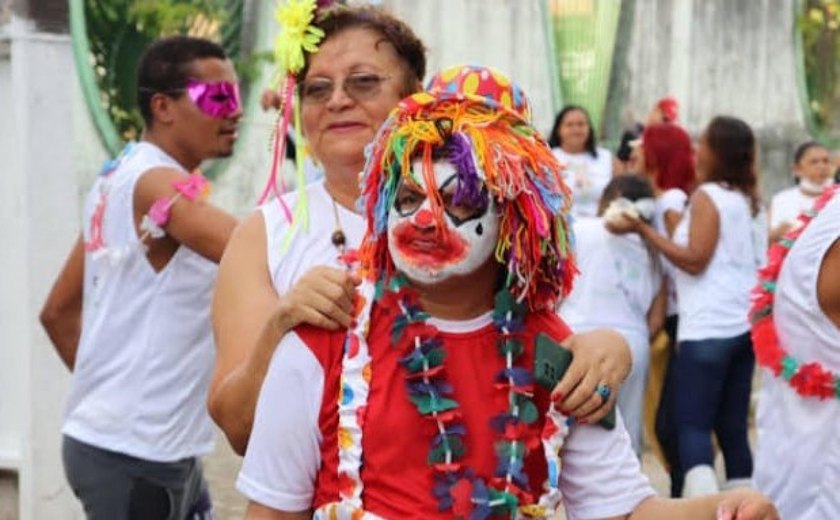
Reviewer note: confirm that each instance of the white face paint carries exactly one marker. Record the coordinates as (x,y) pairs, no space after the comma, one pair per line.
(422,250)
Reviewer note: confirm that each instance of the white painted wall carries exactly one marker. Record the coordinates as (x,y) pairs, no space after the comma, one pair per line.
(720,57)
(39,215)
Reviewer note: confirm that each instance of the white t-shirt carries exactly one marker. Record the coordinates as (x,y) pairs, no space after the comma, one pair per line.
(284,456)
(587,177)
(715,303)
(788,204)
(797,460)
(618,281)
(289,258)
(674,199)
(146,353)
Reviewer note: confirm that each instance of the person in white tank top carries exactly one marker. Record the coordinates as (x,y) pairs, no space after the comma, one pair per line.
(130,311)
(798,453)
(275,277)
(717,247)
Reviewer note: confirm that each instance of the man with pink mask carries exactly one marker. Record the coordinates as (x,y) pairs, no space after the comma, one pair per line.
(437,402)
(130,311)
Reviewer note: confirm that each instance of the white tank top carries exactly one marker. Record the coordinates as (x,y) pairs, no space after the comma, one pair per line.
(798,455)
(145,355)
(715,303)
(289,258)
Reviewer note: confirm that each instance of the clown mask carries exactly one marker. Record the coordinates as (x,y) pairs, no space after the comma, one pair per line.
(430,249)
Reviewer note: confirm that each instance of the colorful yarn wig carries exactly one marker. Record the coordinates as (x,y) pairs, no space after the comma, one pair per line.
(478,120)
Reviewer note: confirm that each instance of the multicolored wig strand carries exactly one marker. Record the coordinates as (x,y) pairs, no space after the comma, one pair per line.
(519,172)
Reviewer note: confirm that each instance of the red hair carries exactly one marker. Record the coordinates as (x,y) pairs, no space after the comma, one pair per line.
(667,149)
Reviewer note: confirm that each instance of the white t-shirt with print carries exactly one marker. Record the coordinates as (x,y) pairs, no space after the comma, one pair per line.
(587,177)
(619,279)
(617,283)
(145,355)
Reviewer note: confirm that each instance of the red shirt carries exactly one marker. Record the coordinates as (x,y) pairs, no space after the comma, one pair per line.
(397,478)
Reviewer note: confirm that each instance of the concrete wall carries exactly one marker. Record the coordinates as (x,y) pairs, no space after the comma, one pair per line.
(734,57)
(39,215)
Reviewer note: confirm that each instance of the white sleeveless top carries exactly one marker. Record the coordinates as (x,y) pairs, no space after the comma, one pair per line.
(146,354)
(798,457)
(289,258)
(715,303)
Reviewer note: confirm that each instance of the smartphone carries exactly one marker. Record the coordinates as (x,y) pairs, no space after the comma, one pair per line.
(551,360)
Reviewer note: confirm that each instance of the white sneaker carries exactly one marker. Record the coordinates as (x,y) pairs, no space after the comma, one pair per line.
(700,481)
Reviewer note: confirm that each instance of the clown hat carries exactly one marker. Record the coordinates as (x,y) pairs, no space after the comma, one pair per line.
(485,85)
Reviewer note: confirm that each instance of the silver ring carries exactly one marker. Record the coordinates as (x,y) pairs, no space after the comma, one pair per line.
(603,390)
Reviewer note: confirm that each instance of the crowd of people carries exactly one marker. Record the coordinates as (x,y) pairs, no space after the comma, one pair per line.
(463,331)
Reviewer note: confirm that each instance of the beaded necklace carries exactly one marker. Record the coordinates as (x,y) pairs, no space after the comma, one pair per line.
(808,379)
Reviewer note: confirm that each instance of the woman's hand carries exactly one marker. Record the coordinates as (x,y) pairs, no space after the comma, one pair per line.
(323,297)
(601,357)
(746,504)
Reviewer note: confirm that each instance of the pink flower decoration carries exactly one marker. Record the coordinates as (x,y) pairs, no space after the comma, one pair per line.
(192,187)
(159,212)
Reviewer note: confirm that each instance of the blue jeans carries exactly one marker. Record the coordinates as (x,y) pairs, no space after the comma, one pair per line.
(713,382)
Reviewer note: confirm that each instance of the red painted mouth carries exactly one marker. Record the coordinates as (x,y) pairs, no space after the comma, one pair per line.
(427,247)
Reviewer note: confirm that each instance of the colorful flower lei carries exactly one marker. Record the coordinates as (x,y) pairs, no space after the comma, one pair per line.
(808,379)
(457,488)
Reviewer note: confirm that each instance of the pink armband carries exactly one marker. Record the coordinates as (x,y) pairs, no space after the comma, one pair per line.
(195,186)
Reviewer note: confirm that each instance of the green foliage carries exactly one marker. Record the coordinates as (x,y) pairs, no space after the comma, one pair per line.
(119,30)
(819,25)
(168,17)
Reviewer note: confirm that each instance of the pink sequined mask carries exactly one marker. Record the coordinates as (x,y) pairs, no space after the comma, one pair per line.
(218,100)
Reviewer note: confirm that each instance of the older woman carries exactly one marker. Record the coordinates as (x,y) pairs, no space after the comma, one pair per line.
(275,277)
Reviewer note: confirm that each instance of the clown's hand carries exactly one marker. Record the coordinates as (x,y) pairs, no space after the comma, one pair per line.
(746,504)
(599,367)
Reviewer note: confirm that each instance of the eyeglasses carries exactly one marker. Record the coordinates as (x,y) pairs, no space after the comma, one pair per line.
(360,86)
(409,199)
